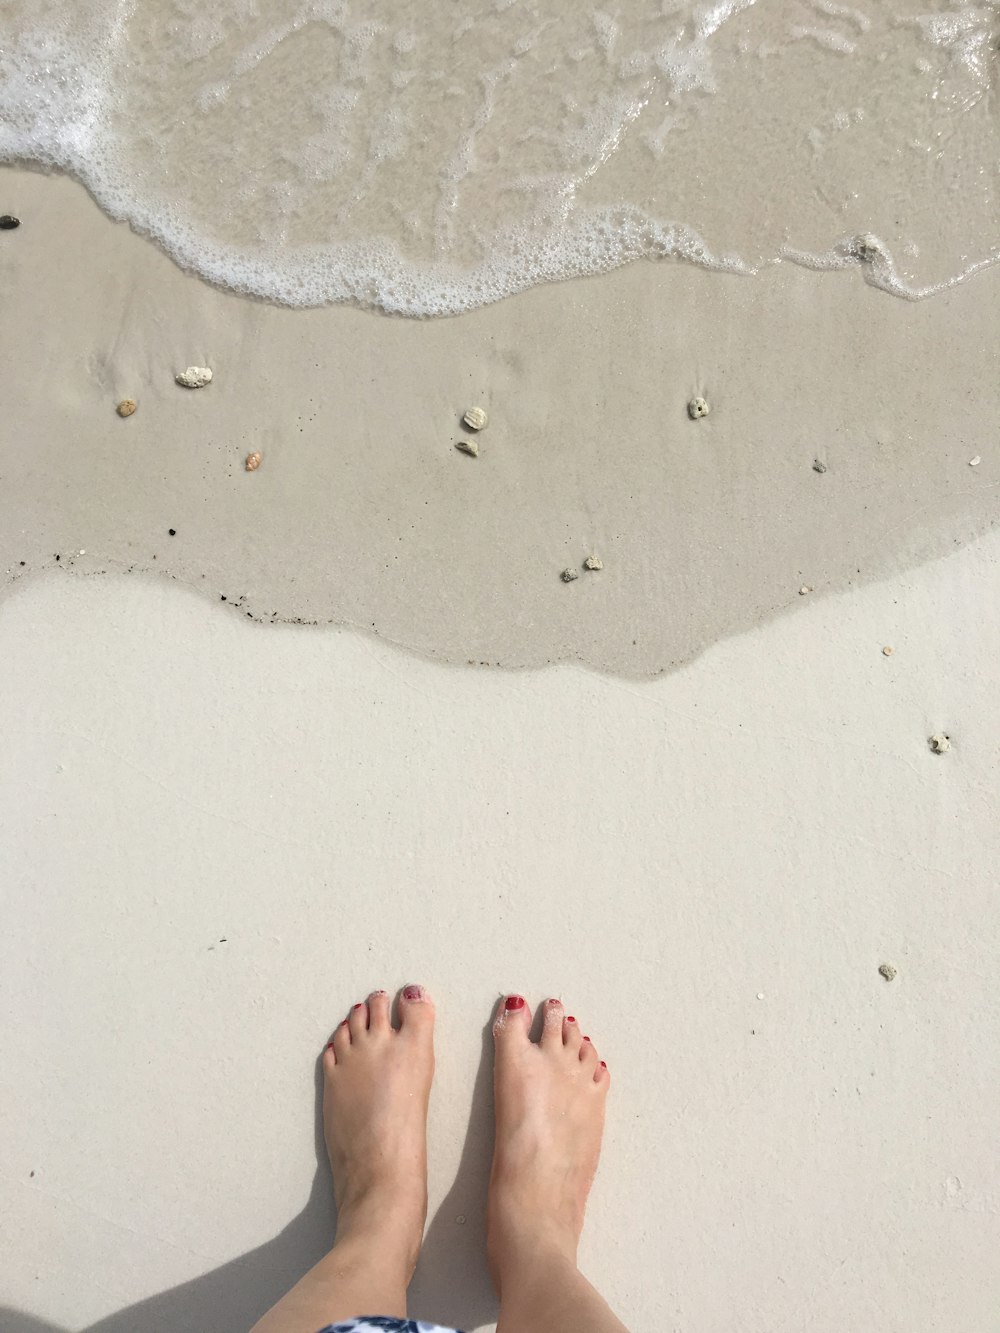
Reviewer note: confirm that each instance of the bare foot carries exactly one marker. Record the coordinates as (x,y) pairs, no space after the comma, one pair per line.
(376,1085)
(549,1119)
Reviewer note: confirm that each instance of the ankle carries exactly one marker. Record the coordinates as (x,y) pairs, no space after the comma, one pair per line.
(516,1247)
(384,1224)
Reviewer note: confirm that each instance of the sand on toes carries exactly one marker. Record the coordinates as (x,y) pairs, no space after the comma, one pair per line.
(550,1098)
(376,1088)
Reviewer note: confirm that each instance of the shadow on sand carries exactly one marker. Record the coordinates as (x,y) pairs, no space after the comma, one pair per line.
(451,1285)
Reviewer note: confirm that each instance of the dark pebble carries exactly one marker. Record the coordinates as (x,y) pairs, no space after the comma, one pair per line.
(172,531)
(8,223)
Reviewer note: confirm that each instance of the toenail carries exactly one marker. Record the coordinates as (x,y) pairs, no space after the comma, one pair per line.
(586,1039)
(553,1001)
(413,992)
(570,1019)
(357,1006)
(343,1022)
(514,1002)
(604,1064)
(329,1045)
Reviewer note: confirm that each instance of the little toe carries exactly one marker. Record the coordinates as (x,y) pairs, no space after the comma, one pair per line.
(416,1011)
(552,1026)
(379,1019)
(512,1023)
(588,1053)
(329,1054)
(357,1021)
(602,1076)
(571,1033)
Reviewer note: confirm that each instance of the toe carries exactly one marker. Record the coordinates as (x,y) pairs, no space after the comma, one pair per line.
(588,1054)
(601,1075)
(416,1011)
(329,1055)
(378,1011)
(357,1021)
(571,1033)
(342,1040)
(513,1022)
(552,1026)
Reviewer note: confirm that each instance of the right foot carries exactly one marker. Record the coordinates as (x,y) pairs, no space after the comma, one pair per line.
(549,1119)
(376,1086)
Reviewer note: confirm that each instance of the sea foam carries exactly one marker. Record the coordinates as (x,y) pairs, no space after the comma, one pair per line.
(430,163)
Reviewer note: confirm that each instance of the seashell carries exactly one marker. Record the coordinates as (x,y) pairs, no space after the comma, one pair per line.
(939,742)
(468,447)
(698,408)
(195,377)
(593,562)
(568,575)
(252,463)
(126,407)
(475,418)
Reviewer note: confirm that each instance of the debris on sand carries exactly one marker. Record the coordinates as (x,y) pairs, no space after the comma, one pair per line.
(475,418)
(253,462)
(195,377)
(469,447)
(8,222)
(887,970)
(887,651)
(593,562)
(805,589)
(697,408)
(939,742)
(126,407)
(568,575)
(818,466)
(974,462)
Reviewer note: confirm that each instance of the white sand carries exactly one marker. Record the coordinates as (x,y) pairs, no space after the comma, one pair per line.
(768,820)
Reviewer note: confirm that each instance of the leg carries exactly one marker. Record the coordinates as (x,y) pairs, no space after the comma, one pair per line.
(549,1118)
(376,1085)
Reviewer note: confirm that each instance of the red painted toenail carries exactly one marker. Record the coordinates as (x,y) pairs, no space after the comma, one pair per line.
(357,1006)
(586,1039)
(343,1022)
(604,1064)
(329,1045)
(514,1002)
(570,1019)
(413,993)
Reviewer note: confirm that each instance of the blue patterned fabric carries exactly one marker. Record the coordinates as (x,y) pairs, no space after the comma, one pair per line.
(386,1325)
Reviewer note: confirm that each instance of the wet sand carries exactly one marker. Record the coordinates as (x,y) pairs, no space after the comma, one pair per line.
(364,514)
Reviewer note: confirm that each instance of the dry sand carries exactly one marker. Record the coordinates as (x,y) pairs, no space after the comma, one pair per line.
(364,514)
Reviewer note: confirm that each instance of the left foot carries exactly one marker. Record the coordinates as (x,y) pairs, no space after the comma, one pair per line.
(376,1086)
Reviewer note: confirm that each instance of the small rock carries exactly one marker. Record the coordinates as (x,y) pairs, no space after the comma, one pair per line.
(806,588)
(253,462)
(939,742)
(195,377)
(469,447)
(698,408)
(887,651)
(8,222)
(887,970)
(818,466)
(974,462)
(475,418)
(568,575)
(126,407)
(593,562)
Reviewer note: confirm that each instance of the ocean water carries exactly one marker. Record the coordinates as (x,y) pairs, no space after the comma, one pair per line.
(427,159)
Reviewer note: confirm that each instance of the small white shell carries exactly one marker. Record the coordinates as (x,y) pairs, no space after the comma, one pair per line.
(886,970)
(805,589)
(568,575)
(698,408)
(939,742)
(593,562)
(475,418)
(468,447)
(195,377)
(974,462)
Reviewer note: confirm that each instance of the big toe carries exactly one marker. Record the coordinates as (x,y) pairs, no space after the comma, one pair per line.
(512,1023)
(416,1012)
